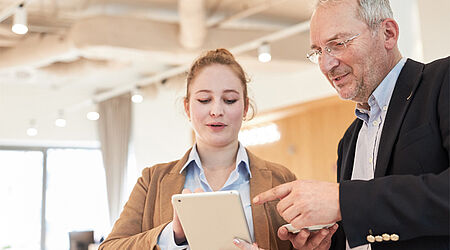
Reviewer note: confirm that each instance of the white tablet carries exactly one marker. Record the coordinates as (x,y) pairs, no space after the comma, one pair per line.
(212,220)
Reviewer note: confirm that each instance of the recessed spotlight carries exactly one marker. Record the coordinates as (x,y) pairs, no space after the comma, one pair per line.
(93,116)
(32,130)
(264,53)
(137,96)
(20,21)
(60,121)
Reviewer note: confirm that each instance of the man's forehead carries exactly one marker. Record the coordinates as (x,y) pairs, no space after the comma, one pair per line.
(332,22)
(336,9)
(328,3)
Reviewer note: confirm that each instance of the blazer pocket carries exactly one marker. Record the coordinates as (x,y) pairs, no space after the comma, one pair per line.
(413,136)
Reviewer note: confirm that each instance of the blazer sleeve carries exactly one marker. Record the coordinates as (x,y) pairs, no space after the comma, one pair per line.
(127,232)
(409,205)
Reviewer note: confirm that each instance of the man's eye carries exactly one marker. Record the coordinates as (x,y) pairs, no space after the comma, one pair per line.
(230,101)
(203,100)
(340,45)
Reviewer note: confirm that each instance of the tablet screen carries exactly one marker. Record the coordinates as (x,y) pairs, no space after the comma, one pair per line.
(212,220)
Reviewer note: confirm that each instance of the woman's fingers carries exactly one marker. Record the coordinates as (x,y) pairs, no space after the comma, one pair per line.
(244,245)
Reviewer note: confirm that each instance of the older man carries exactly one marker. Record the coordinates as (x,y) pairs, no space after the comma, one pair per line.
(393,161)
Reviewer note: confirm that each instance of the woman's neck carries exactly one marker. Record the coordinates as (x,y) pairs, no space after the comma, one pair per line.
(217,163)
(216,158)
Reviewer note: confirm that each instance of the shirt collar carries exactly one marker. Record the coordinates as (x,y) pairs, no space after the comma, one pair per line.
(382,94)
(241,157)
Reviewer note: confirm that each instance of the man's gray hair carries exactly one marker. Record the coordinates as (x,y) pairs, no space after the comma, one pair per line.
(372,12)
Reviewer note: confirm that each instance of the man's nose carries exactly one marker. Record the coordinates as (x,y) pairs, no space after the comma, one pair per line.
(327,62)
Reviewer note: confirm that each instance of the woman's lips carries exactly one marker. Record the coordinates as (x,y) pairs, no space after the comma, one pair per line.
(216,126)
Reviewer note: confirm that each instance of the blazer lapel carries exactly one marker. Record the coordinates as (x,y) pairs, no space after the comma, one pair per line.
(171,184)
(405,87)
(349,153)
(261,181)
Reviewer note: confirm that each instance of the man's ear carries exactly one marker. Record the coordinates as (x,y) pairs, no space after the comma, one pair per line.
(390,32)
(186,108)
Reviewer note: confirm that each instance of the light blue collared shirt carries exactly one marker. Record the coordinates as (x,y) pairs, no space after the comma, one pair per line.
(369,136)
(238,180)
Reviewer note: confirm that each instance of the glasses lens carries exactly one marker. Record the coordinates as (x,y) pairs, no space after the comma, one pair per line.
(335,48)
(313,56)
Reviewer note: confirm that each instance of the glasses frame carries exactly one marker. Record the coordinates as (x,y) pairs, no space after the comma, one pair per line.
(314,55)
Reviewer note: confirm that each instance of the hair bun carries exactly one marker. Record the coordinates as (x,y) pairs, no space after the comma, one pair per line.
(222,52)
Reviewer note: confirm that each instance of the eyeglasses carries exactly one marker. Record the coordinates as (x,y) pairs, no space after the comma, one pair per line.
(333,48)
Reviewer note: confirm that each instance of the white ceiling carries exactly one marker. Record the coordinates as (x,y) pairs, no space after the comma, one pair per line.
(94,44)
(76,49)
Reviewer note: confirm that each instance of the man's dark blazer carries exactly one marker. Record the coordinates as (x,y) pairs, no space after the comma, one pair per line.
(409,195)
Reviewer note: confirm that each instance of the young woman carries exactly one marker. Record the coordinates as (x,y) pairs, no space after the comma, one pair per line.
(216,103)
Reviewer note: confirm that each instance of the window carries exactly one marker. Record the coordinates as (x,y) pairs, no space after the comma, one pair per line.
(21,199)
(75,197)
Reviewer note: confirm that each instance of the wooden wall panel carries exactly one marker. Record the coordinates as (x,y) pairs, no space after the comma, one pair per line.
(310,133)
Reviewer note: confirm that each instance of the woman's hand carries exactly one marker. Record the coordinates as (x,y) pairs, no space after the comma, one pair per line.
(178,231)
(244,245)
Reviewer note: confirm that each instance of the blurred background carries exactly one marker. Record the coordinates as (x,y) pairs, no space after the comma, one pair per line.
(91,93)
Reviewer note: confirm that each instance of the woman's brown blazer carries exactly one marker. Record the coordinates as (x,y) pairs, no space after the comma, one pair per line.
(149,207)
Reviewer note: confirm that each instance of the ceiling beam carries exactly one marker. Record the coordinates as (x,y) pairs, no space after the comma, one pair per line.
(192,23)
(300,27)
(36,50)
(11,8)
(252,10)
(5,31)
(139,36)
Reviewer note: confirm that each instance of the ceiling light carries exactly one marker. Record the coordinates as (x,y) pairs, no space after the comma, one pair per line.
(20,21)
(137,96)
(93,116)
(264,53)
(32,130)
(60,121)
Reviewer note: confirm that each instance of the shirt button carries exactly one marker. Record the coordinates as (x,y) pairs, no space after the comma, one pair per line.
(375,123)
(370,160)
(395,237)
(385,108)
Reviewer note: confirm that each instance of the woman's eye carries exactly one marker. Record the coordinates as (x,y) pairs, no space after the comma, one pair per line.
(230,101)
(203,100)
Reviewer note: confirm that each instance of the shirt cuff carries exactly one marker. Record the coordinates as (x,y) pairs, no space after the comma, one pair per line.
(166,240)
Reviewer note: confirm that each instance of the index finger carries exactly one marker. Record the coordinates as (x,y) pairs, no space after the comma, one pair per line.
(278,192)
(186,191)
